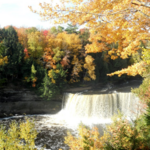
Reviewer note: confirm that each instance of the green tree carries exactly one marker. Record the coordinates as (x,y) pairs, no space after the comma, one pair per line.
(57,30)
(2,34)
(84,35)
(71,29)
(53,82)
(14,53)
(32,29)
(60,29)
(53,30)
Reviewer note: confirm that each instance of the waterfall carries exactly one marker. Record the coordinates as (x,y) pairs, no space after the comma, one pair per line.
(99,108)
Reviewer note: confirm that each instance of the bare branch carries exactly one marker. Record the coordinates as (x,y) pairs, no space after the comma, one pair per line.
(144,4)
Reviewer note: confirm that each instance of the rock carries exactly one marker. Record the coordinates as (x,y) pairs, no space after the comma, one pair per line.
(18,100)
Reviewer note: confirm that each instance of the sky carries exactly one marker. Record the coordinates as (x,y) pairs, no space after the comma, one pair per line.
(17,13)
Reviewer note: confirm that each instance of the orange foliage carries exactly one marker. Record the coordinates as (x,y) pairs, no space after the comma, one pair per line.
(22,36)
(33,85)
(65,61)
(60,48)
(124,22)
(26,53)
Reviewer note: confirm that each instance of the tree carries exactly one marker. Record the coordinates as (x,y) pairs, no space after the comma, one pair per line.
(64,49)
(60,28)
(2,34)
(71,29)
(3,60)
(125,22)
(57,30)
(53,82)
(36,44)
(22,36)
(53,30)
(84,36)
(30,30)
(14,53)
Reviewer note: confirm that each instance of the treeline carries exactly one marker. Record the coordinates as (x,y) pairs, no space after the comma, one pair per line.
(48,59)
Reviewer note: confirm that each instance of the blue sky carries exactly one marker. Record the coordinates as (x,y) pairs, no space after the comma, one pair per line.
(17,13)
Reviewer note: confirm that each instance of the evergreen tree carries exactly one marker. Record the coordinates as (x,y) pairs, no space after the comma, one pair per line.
(71,29)
(53,82)
(14,53)
(2,34)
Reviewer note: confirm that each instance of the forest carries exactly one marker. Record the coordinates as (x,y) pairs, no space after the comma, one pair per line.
(47,60)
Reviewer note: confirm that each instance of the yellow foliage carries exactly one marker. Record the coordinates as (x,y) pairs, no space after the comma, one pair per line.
(53,81)
(60,46)
(108,22)
(146,55)
(120,134)
(50,74)
(57,71)
(137,68)
(87,139)
(133,70)
(19,136)
(69,42)
(64,41)
(36,44)
(77,67)
(3,60)
(125,22)
(90,66)
(87,78)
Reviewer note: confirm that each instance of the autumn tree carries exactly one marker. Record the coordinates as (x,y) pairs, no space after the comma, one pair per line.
(64,49)
(36,44)
(125,22)
(56,30)
(22,36)
(30,30)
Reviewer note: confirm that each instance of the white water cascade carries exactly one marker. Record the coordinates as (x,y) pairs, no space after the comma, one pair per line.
(98,108)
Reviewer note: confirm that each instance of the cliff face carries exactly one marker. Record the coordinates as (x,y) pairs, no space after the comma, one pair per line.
(13,94)
(19,100)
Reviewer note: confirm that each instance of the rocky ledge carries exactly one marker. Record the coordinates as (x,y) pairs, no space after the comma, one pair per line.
(18,100)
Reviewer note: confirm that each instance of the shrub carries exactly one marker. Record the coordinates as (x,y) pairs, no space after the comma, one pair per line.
(143,91)
(120,135)
(126,135)
(87,140)
(18,136)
